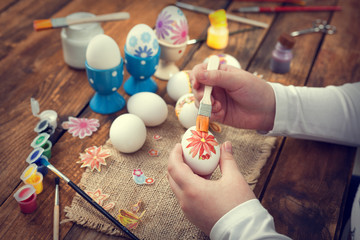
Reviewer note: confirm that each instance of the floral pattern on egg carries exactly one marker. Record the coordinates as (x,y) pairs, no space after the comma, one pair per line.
(171,26)
(142,42)
(201,151)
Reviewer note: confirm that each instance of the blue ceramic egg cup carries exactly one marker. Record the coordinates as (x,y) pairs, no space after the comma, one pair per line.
(141,70)
(106,83)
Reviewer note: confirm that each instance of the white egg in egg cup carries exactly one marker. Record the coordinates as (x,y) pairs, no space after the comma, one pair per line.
(106,82)
(141,70)
(170,53)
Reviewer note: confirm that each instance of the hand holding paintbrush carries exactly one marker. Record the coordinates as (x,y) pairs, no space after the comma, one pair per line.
(203,118)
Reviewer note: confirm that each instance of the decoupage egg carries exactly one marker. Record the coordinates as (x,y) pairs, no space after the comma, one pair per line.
(227,59)
(171,26)
(141,41)
(186,111)
(103,52)
(128,133)
(148,106)
(201,151)
(178,85)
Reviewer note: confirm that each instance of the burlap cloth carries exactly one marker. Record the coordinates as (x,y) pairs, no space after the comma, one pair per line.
(163,218)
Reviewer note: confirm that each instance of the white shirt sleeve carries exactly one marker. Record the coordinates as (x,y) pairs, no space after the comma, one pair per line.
(249,220)
(330,114)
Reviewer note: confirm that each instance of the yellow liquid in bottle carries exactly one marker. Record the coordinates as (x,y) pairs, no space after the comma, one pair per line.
(217,38)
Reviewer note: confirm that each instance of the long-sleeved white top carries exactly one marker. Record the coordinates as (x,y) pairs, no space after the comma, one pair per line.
(330,114)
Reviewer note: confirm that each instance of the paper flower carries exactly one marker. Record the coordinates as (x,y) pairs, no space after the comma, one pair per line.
(201,142)
(94,157)
(157,137)
(81,127)
(180,32)
(100,197)
(140,178)
(130,219)
(153,153)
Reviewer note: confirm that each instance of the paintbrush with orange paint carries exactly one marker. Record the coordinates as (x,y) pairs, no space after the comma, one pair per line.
(203,118)
(43,24)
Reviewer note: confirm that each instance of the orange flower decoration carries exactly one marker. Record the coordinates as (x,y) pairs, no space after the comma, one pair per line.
(201,142)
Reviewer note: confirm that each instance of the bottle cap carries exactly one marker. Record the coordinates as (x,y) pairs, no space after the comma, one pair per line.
(287,40)
(218,18)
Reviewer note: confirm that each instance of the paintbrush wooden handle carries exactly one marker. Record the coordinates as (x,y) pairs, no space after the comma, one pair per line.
(56,222)
(213,64)
(100,18)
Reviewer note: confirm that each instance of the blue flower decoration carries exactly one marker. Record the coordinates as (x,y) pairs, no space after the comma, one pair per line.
(145,37)
(180,12)
(155,44)
(143,52)
(133,41)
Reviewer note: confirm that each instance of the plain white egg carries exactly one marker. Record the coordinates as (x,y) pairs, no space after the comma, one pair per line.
(227,59)
(201,151)
(148,106)
(128,133)
(103,52)
(186,111)
(178,85)
(141,41)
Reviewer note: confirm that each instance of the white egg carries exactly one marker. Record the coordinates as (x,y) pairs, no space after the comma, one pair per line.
(171,26)
(201,151)
(103,52)
(148,106)
(186,111)
(128,133)
(141,41)
(227,59)
(178,85)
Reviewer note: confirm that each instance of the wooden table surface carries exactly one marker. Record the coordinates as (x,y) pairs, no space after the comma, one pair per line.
(303,185)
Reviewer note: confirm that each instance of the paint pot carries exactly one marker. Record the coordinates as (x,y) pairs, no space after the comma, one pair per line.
(28,174)
(282,54)
(26,198)
(42,140)
(35,157)
(75,39)
(48,118)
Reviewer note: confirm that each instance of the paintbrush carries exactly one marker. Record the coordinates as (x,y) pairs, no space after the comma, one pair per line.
(203,118)
(43,24)
(88,198)
(56,210)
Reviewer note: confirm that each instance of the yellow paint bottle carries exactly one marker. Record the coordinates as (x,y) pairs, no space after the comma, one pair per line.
(218,32)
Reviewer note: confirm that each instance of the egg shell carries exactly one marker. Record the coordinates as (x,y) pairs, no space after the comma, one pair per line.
(103,52)
(128,133)
(141,41)
(171,26)
(201,151)
(178,85)
(186,111)
(227,59)
(148,106)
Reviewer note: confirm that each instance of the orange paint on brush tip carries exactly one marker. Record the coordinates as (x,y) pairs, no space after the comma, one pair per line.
(42,24)
(202,123)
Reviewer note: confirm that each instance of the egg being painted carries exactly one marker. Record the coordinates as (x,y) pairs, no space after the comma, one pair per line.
(201,151)
(141,41)
(186,111)
(171,26)
(103,52)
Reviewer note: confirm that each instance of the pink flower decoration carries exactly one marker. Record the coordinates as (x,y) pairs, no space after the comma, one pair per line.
(81,127)
(100,197)
(153,153)
(157,137)
(201,142)
(94,157)
(149,181)
(180,32)
(137,172)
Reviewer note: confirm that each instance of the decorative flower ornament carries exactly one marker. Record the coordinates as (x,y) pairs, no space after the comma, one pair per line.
(94,157)
(140,178)
(201,142)
(100,197)
(130,219)
(81,127)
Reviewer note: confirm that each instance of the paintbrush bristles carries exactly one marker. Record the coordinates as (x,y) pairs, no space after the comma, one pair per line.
(202,123)
(42,24)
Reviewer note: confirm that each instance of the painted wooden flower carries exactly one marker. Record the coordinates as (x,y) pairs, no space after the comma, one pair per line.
(131,219)
(94,157)
(200,143)
(81,127)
